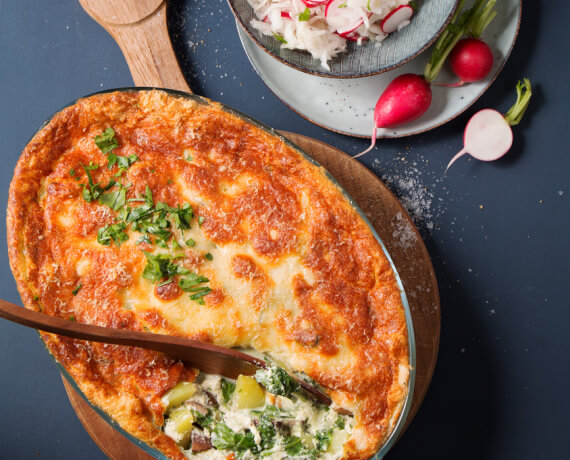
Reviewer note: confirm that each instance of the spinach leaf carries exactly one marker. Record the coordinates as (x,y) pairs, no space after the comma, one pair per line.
(277,381)
(224,438)
(228,388)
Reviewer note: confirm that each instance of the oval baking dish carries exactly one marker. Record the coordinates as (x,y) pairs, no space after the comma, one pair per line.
(396,426)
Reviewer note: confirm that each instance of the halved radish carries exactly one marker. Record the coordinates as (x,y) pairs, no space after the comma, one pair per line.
(344,19)
(488,134)
(396,18)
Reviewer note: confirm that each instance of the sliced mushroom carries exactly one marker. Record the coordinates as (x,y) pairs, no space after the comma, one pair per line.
(200,442)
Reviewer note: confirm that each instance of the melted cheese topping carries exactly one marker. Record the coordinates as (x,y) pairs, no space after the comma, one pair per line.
(294,269)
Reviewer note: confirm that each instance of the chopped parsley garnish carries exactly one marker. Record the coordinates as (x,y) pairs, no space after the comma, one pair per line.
(106,141)
(189,157)
(122,162)
(76,289)
(161,267)
(190,282)
(91,191)
(305,15)
(181,215)
(228,388)
(144,239)
(72,318)
(277,381)
(208,256)
(72,172)
(114,200)
(190,242)
(201,220)
(113,232)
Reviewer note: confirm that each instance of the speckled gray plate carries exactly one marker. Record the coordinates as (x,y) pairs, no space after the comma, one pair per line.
(347,105)
(368,58)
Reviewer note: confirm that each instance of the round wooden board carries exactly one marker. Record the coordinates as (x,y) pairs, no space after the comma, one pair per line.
(406,248)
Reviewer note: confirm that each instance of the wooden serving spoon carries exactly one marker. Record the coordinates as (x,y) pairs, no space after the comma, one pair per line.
(139,28)
(211,359)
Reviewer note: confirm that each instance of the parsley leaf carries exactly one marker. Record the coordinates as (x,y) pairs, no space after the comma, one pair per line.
(114,232)
(76,289)
(228,388)
(114,200)
(161,267)
(106,141)
(305,15)
(190,281)
(182,215)
(91,191)
(277,381)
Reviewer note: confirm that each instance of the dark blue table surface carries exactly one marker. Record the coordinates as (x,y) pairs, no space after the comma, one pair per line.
(497,233)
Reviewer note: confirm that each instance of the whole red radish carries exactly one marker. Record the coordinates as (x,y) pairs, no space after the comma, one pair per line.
(409,96)
(471,60)
(405,99)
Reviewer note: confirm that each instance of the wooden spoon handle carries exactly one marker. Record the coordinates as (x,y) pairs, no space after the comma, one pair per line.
(201,355)
(147,48)
(209,358)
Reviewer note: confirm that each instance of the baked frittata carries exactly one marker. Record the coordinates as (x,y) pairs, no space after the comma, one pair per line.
(148,211)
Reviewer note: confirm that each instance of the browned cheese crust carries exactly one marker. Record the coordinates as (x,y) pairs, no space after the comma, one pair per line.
(295,271)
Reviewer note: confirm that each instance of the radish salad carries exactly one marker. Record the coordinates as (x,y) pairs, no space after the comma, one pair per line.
(322,27)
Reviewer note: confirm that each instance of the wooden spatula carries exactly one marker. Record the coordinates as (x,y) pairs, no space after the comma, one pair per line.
(139,28)
(208,358)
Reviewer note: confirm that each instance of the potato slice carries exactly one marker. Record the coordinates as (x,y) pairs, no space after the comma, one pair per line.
(248,393)
(180,393)
(182,419)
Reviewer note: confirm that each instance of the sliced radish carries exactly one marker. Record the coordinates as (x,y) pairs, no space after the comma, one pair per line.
(344,19)
(314,3)
(353,36)
(396,18)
